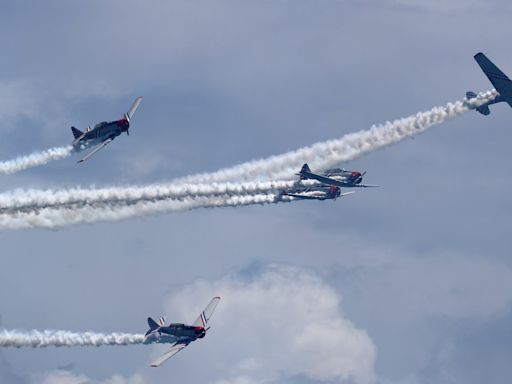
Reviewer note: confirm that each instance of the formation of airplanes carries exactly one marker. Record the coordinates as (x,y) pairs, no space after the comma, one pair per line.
(310,186)
(328,186)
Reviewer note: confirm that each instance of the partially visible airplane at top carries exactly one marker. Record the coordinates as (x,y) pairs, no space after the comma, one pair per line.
(180,335)
(499,80)
(103,133)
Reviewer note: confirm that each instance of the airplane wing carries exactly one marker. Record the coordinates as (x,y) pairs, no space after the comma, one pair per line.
(134,107)
(170,353)
(204,316)
(98,147)
(364,186)
(500,81)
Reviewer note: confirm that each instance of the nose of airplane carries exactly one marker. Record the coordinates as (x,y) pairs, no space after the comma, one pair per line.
(200,332)
(357,176)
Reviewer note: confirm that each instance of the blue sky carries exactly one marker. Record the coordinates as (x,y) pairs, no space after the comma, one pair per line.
(415,277)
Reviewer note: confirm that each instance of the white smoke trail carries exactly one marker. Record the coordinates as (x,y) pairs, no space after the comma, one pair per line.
(326,154)
(61,217)
(42,339)
(23,200)
(35,159)
(50,209)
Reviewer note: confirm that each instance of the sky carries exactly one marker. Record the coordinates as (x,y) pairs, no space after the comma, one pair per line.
(410,283)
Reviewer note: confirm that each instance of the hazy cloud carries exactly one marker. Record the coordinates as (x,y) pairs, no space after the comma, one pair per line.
(278,323)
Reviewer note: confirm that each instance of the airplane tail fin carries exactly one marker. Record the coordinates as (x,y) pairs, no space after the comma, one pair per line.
(205,315)
(76,132)
(153,325)
(305,169)
(499,80)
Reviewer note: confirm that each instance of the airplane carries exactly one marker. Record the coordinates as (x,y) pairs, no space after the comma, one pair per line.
(314,193)
(335,177)
(499,80)
(103,133)
(180,335)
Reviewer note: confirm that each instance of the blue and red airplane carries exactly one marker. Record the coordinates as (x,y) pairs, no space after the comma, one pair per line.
(103,133)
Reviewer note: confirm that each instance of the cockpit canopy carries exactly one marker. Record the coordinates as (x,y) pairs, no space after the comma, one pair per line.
(102,124)
(334,171)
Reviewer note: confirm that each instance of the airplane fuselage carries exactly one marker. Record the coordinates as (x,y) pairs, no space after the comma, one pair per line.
(319,192)
(350,178)
(175,332)
(101,132)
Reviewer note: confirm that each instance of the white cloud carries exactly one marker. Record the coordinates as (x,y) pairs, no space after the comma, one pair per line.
(282,322)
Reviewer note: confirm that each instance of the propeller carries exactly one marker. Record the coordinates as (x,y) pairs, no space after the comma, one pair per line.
(127,118)
(360,177)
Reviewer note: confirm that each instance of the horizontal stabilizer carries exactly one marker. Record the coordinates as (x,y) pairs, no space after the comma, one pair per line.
(484,110)
(470,95)
(499,80)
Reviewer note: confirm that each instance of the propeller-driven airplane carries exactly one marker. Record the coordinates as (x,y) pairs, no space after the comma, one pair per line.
(499,80)
(103,133)
(336,177)
(314,192)
(180,335)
